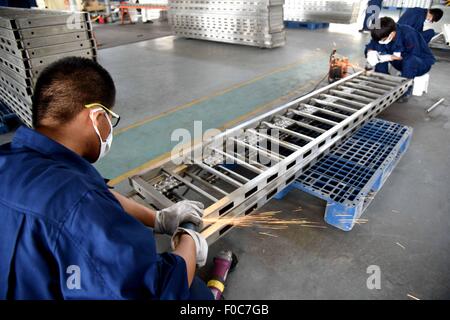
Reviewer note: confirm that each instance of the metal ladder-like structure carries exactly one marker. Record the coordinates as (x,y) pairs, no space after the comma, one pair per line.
(239,170)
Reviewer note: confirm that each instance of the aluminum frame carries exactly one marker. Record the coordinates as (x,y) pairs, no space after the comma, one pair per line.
(249,194)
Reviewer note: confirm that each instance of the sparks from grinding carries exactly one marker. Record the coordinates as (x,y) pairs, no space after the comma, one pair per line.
(268,234)
(356,221)
(264,220)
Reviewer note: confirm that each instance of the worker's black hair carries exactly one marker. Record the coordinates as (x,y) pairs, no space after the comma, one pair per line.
(387,26)
(437,14)
(66,86)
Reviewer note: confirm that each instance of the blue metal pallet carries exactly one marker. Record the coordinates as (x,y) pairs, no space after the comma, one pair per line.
(350,175)
(305,25)
(8,119)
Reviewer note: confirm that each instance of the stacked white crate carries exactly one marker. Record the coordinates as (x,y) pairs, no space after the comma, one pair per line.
(331,11)
(248,22)
(29,41)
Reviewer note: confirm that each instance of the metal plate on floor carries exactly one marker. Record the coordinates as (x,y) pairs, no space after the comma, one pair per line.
(54,30)
(7,34)
(15,68)
(20,92)
(58,49)
(237,22)
(23,81)
(333,11)
(57,39)
(11,48)
(12,59)
(43,20)
(20,108)
(38,64)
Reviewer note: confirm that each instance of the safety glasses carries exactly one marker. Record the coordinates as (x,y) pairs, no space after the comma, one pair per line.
(115,118)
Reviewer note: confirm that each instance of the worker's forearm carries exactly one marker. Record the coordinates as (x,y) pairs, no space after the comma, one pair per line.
(140,212)
(186,249)
(186,246)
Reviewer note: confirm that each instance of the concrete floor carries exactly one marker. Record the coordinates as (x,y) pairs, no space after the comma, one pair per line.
(407,234)
(115,34)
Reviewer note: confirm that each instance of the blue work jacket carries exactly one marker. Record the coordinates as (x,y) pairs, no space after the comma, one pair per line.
(407,41)
(414,17)
(63,235)
(18,3)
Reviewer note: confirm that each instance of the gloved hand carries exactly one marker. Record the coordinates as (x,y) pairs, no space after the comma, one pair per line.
(169,219)
(397,56)
(372,58)
(385,58)
(201,245)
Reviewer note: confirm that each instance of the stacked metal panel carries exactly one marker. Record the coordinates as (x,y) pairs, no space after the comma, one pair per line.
(442,40)
(29,41)
(408,3)
(332,11)
(248,22)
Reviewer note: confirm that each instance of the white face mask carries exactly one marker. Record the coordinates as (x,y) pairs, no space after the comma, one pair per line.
(105,146)
(428,21)
(388,40)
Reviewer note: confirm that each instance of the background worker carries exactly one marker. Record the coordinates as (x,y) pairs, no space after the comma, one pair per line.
(417,17)
(64,234)
(18,3)
(402,47)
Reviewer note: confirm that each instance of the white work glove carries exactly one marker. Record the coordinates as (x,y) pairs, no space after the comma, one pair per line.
(169,219)
(372,58)
(385,58)
(201,245)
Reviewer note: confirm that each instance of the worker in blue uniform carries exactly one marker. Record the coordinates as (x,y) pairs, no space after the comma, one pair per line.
(417,17)
(63,233)
(372,14)
(18,3)
(402,47)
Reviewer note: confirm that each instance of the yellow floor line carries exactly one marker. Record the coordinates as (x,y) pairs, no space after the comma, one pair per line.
(196,101)
(162,158)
